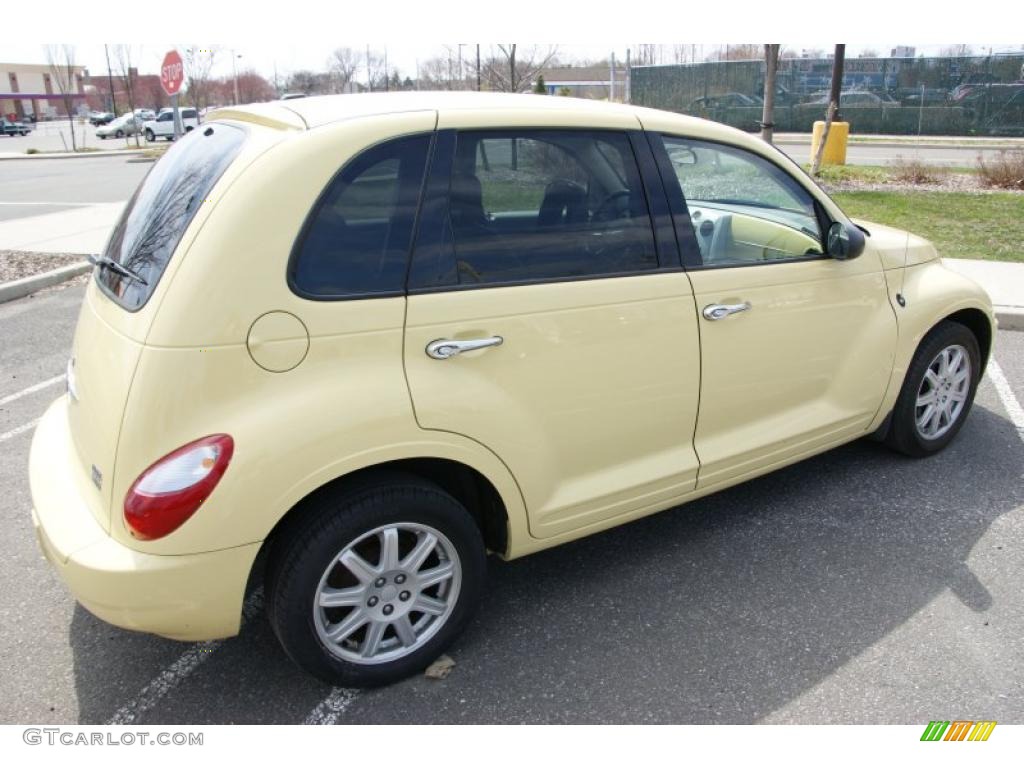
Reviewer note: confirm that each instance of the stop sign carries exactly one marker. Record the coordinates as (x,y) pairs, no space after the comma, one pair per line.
(172,73)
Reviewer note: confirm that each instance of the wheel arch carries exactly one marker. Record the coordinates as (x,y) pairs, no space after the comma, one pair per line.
(978,323)
(473,489)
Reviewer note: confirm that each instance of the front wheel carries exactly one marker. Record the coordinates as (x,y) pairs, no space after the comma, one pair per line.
(938,391)
(150,136)
(370,585)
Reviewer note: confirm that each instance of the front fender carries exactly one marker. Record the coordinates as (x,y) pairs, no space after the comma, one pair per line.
(931,293)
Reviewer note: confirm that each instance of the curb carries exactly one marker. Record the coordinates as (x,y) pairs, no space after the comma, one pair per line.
(17,289)
(1010,318)
(73,155)
(910,145)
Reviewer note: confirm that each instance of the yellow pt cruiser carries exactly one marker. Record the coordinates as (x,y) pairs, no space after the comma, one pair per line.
(364,340)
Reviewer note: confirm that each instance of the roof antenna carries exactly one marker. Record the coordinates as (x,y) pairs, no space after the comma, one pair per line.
(900,298)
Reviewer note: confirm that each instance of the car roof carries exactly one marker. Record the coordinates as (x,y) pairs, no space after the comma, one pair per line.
(314,111)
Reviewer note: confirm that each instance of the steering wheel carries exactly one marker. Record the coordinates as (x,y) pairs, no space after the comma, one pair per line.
(605,211)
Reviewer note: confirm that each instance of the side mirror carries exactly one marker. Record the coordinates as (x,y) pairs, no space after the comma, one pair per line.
(844,242)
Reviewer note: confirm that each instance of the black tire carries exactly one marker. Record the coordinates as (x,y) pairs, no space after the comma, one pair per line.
(188,129)
(150,136)
(329,523)
(903,432)
(119,134)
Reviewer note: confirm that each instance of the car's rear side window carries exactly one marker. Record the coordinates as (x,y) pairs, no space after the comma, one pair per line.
(356,242)
(158,214)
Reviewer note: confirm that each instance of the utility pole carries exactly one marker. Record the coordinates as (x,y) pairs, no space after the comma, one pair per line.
(234,71)
(369,72)
(611,81)
(387,79)
(629,79)
(110,80)
(837,78)
(478,66)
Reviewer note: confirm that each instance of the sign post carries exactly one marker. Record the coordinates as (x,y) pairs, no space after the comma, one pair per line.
(172,75)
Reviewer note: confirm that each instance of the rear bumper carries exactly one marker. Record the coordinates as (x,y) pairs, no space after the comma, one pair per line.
(184,597)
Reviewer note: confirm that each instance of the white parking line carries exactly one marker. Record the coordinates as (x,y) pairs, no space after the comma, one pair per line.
(30,390)
(18,430)
(1010,401)
(330,709)
(175,674)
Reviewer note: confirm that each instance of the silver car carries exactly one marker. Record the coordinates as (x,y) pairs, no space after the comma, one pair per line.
(125,125)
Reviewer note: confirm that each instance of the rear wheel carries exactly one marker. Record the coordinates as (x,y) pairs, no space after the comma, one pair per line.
(938,391)
(371,584)
(119,134)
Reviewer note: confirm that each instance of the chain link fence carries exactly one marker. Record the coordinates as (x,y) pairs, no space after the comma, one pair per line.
(962,96)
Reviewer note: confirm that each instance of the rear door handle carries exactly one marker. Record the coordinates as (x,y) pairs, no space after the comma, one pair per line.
(722,311)
(442,349)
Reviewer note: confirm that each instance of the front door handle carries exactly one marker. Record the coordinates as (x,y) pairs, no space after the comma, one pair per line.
(442,349)
(722,311)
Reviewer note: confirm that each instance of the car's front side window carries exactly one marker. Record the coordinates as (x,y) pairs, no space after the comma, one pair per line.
(546,205)
(743,208)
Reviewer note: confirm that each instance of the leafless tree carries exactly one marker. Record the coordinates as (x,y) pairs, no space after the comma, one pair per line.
(343,65)
(959,50)
(61,59)
(198,66)
(127,74)
(513,69)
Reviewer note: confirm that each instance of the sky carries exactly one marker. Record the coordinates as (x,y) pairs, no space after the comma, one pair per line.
(287,58)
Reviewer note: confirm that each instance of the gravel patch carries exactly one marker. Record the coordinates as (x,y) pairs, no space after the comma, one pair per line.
(949,182)
(15,265)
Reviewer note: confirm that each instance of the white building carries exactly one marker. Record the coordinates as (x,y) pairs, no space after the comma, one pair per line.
(34,89)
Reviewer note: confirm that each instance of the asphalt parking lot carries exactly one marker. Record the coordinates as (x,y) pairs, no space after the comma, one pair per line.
(856,587)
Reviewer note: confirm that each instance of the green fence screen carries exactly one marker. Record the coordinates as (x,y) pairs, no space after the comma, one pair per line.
(969,96)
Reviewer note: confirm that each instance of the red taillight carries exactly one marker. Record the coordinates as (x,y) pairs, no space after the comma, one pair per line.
(171,490)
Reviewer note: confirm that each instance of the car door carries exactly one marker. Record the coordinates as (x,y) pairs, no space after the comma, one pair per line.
(550,322)
(796,347)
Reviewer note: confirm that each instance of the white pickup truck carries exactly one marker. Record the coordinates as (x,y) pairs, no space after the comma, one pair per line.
(163,125)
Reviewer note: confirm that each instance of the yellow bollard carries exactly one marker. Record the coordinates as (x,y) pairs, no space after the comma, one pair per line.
(835,147)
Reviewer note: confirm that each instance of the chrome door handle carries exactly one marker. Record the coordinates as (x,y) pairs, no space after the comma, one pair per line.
(721,311)
(442,349)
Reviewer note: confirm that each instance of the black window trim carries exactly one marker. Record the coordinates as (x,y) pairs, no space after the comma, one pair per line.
(311,216)
(693,260)
(668,262)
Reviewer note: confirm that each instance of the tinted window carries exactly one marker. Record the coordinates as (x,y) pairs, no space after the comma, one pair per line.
(743,208)
(357,239)
(543,205)
(156,217)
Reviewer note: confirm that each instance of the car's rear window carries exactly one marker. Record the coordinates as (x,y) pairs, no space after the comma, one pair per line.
(158,214)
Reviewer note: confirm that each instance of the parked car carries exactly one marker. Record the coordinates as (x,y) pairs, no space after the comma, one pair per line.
(14,127)
(855,99)
(126,125)
(100,118)
(724,100)
(145,114)
(163,125)
(326,338)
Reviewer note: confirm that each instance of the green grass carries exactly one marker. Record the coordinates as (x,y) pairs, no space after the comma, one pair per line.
(960,224)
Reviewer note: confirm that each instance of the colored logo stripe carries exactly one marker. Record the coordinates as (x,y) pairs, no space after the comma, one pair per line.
(958,730)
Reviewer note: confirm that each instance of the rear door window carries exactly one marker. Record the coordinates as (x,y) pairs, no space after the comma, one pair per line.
(538,205)
(158,214)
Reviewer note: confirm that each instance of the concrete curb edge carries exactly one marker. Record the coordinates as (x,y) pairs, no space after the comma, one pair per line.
(16,289)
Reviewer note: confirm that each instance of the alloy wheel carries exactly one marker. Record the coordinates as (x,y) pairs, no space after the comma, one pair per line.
(387,593)
(943,392)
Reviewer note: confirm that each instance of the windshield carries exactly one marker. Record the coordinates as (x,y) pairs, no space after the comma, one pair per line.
(158,214)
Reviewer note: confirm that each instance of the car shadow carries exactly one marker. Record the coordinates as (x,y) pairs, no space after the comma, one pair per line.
(720,611)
